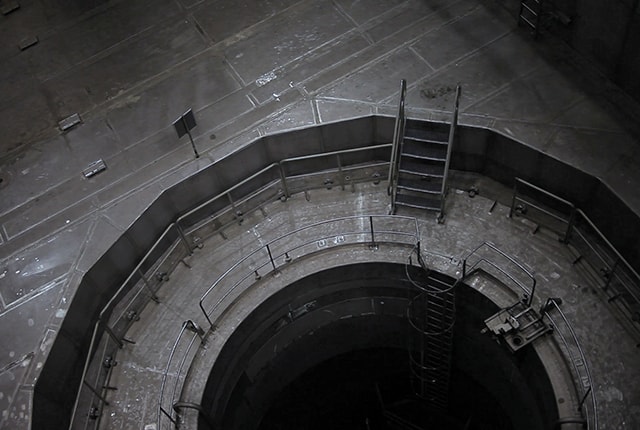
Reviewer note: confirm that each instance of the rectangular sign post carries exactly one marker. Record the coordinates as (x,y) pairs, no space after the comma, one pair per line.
(184,125)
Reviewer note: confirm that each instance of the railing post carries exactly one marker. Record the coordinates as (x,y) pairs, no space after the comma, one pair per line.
(533,292)
(94,391)
(205,314)
(184,239)
(570,224)
(513,198)
(236,214)
(340,171)
(283,179)
(609,276)
(583,399)
(113,336)
(273,263)
(168,416)
(146,283)
(373,235)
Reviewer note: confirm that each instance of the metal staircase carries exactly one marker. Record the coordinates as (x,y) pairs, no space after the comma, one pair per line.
(431,314)
(420,161)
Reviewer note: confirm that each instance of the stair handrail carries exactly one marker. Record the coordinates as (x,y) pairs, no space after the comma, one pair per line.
(398,133)
(469,269)
(452,135)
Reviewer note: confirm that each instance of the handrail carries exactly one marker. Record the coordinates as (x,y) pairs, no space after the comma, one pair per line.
(105,312)
(452,135)
(398,137)
(529,293)
(572,208)
(367,235)
(616,266)
(272,260)
(185,327)
(619,256)
(224,193)
(579,364)
(102,325)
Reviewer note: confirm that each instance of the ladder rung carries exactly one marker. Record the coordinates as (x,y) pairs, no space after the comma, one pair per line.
(529,23)
(533,12)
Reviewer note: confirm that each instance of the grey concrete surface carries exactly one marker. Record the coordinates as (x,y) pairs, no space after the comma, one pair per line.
(247,69)
(615,366)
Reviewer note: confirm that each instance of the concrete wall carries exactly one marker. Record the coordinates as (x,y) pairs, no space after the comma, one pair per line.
(605,32)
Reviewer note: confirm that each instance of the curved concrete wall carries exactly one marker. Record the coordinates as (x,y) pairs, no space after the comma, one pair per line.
(478,150)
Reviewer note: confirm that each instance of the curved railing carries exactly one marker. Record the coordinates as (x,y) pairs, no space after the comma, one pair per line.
(171,412)
(279,252)
(276,181)
(578,363)
(609,269)
(477,259)
(284,250)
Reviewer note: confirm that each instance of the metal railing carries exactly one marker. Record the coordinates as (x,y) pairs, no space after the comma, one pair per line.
(617,278)
(269,258)
(170,410)
(398,138)
(279,252)
(276,181)
(563,330)
(114,320)
(482,257)
(559,219)
(452,137)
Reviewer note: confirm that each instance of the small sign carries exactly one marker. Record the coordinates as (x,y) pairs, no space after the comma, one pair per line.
(184,125)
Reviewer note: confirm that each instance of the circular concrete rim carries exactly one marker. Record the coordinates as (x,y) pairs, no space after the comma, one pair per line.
(548,350)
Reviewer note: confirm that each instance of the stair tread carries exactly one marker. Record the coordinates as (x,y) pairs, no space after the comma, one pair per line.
(427,135)
(427,150)
(420,186)
(418,202)
(418,167)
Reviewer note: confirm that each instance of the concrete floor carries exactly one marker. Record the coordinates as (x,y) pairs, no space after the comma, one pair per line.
(247,69)
(613,361)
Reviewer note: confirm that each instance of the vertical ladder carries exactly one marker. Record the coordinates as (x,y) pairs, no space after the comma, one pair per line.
(431,314)
(422,165)
(529,15)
